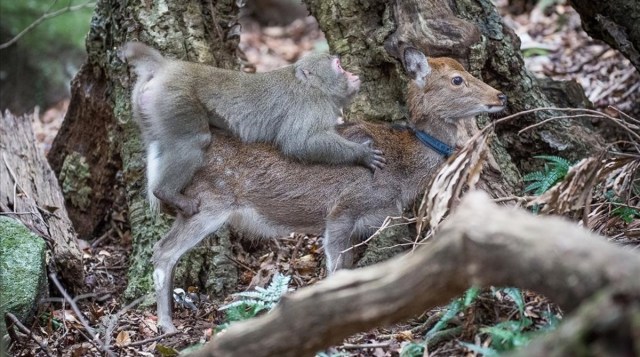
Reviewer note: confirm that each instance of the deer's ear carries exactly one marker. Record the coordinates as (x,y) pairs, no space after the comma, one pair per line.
(416,65)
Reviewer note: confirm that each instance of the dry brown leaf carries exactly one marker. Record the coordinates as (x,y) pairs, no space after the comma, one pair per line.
(123,339)
(460,172)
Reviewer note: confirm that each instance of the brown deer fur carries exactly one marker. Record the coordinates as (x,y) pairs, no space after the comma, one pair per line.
(254,188)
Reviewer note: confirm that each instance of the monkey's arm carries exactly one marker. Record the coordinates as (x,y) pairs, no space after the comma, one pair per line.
(331,148)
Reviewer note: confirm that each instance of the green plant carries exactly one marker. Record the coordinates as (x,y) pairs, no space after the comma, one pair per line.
(412,350)
(555,170)
(509,335)
(453,309)
(625,213)
(253,302)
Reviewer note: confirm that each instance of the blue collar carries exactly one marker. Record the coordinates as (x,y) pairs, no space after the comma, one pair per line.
(433,143)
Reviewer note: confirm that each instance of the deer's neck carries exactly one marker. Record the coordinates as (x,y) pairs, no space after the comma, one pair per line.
(454,133)
(445,132)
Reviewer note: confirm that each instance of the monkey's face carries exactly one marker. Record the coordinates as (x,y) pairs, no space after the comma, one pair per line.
(353,81)
(325,73)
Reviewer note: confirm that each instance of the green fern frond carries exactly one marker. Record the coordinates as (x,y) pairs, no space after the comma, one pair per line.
(253,302)
(533,176)
(533,186)
(559,161)
(555,170)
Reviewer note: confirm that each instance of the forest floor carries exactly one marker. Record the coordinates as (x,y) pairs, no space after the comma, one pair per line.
(555,46)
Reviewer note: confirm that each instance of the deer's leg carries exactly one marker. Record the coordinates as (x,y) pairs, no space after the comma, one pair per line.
(184,235)
(337,243)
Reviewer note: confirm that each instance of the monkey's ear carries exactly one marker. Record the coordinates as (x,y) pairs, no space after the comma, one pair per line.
(302,73)
(416,65)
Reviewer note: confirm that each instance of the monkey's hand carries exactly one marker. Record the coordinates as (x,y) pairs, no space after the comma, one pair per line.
(373,158)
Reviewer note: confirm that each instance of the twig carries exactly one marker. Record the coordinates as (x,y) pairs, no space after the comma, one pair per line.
(81,317)
(100,296)
(596,114)
(47,15)
(349,346)
(627,116)
(24,329)
(152,339)
(101,238)
(518,114)
(241,264)
(293,254)
(113,320)
(15,181)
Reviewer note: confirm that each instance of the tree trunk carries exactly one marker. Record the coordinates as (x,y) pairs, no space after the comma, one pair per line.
(30,193)
(99,136)
(371,39)
(615,22)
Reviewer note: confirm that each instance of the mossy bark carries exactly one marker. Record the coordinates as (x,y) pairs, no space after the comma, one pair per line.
(99,128)
(370,36)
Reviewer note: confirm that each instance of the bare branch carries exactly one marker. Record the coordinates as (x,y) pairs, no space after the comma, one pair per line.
(47,15)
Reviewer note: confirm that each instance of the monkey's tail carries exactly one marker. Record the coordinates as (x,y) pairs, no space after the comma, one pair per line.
(153,163)
(143,58)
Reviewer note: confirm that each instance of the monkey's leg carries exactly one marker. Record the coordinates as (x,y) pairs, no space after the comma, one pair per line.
(175,169)
(331,148)
(337,243)
(184,235)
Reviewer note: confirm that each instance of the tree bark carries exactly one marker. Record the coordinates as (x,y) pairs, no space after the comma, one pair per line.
(30,193)
(615,22)
(371,37)
(98,130)
(481,244)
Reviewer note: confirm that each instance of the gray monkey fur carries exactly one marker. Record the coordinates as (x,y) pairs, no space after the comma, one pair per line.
(295,107)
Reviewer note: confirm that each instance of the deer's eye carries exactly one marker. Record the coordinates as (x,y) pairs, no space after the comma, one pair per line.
(457,80)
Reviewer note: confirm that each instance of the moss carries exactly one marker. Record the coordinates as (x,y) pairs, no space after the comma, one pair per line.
(22,270)
(75,180)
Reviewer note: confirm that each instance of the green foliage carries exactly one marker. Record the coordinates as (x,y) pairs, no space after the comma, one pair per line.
(625,213)
(534,51)
(555,170)
(412,350)
(505,335)
(69,28)
(251,303)
(513,334)
(454,308)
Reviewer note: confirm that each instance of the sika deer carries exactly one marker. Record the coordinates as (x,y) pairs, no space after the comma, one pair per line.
(254,188)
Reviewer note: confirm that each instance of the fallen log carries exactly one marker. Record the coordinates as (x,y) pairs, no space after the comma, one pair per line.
(481,244)
(29,192)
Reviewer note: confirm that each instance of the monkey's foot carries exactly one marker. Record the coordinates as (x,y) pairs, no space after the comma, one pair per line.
(184,205)
(374,159)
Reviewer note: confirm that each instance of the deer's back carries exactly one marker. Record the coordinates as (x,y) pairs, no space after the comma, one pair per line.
(256,180)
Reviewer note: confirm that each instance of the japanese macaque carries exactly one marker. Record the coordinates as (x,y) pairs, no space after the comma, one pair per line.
(257,190)
(295,107)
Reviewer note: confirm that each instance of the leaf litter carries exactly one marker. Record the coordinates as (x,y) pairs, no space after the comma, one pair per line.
(595,191)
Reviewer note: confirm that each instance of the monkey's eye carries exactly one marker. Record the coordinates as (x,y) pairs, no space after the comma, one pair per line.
(457,80)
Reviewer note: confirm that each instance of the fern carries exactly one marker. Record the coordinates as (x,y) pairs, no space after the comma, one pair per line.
(412,350)
(251,303)
(454,307)
(625,213)
(555,170)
